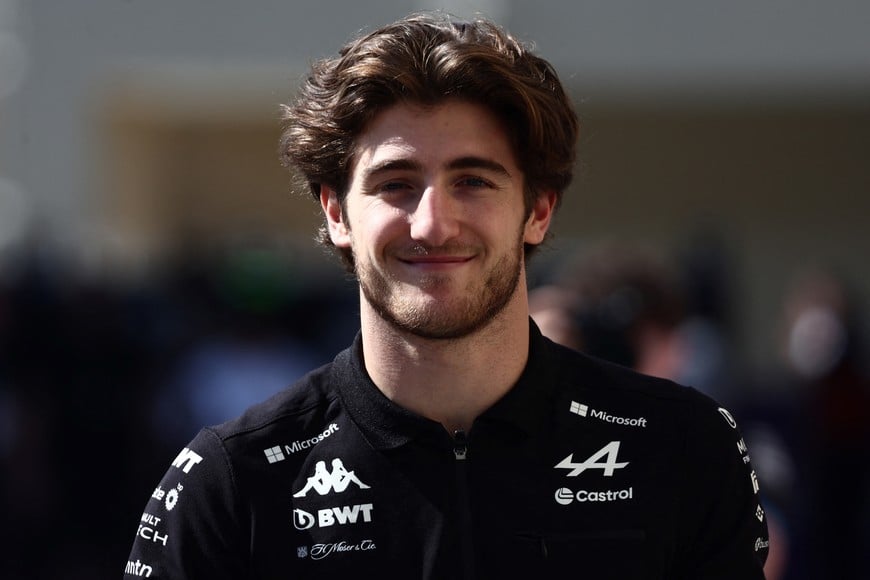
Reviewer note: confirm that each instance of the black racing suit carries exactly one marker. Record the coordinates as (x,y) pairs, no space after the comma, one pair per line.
(584,469)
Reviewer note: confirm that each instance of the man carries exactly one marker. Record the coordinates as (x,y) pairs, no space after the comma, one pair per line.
(452,440)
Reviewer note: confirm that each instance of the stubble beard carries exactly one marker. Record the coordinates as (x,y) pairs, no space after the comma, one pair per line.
(469,312)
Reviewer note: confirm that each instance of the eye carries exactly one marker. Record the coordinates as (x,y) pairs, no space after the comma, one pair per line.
(474,181)
(391,186)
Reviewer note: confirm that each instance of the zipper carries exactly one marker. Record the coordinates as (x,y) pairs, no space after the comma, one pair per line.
(460,445)
(463,504)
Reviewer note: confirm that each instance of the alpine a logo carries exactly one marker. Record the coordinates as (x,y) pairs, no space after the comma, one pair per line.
(586,411)
(609,451)
(324,481)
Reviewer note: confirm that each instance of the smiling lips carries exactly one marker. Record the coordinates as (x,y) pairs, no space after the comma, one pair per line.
(419,255)
(435,261)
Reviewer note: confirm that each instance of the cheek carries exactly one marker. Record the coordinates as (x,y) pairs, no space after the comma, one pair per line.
(375,228)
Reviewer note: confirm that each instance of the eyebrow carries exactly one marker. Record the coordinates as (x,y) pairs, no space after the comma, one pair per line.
(468,162)
(472,162)
(393,165)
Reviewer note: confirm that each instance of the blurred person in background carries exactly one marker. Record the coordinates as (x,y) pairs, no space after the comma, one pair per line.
(826,358)
(452,440)
(618,302)
(628,304)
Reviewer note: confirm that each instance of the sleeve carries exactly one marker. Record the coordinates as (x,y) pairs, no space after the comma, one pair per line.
(192,525)
(725,524)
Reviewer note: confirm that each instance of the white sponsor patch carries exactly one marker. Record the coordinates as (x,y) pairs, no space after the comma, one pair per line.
(586,411)
(334,516)
(186,460)
(565,496)
(324,481)
(169,498)
(729,418)
(137,568)
(276,453)
(609,452)
(759,513)
(320,551)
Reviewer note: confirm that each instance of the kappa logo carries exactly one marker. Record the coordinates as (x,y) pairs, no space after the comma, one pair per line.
(324,481)
(610,451)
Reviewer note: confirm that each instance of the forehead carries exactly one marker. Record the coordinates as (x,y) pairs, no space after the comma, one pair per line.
(434,135)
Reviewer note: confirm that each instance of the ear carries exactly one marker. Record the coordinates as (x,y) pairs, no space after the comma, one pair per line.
(339,233)
(539,220)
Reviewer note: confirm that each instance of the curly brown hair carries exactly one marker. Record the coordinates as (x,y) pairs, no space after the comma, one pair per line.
(425,59)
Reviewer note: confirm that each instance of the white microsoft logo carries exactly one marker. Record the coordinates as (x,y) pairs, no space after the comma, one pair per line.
(274,454)
(584,410)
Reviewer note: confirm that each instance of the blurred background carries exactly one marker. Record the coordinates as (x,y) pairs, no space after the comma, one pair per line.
(158,273)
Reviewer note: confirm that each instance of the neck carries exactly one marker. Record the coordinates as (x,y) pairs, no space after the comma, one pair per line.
(451,381)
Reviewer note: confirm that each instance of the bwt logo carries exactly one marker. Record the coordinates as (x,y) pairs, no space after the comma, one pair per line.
(303,520)
(186,460)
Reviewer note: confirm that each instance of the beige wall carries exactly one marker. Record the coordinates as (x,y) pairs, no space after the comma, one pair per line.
(784,186)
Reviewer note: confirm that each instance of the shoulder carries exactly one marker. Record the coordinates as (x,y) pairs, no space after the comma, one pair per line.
(579,373)
(292,411)
(688,443)
(690,419)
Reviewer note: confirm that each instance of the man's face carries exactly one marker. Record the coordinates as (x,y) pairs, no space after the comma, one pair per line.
(435,219)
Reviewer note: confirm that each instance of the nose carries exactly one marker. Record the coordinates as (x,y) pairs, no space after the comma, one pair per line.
(436,218)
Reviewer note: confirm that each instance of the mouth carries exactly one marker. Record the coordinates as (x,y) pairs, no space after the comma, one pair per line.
(436,259)
(435,262)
